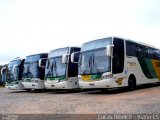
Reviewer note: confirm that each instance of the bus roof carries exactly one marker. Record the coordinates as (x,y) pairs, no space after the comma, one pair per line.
(65,47)
(137,42)
(141,43)
(37,54)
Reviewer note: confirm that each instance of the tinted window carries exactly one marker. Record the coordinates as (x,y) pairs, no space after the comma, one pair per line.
(158,54)
(131,49)
(141,51)
(118,55)
(73,67)
(74,49)
(151,53)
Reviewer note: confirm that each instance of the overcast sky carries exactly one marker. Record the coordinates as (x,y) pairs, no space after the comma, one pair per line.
(33,26)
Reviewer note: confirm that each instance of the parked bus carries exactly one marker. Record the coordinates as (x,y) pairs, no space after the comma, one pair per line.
(116,62)
(2,75)
(33,75)
(60,73)
(13,74)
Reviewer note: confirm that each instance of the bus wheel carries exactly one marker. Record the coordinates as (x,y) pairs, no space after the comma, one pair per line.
(132,82)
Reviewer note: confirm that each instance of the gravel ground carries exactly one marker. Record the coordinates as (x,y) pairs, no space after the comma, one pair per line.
(143,100)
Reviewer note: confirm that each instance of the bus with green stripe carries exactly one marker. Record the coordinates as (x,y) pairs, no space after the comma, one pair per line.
(117,62)
(60,73)
(13,74)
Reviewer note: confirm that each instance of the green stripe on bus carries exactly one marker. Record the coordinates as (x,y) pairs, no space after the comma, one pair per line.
(151,68)
(145,68)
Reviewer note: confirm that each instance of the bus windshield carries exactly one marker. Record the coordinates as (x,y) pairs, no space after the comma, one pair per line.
(93,58)
(31,70)
(31,66)
(58,52)
(15,62)
(55,67)
(32,58)
(93,62)
(13,74)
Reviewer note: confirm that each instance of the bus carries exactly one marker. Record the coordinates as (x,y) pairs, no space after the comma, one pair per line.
(13,74)
(33,74)
(60,73)
(117,62)
(2,75)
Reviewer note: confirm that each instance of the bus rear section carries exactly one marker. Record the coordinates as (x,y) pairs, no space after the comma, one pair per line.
(33,75)
(60,73)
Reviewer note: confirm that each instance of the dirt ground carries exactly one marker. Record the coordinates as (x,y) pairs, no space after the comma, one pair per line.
(143,100)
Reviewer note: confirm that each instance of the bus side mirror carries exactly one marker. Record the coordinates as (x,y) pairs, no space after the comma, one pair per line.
(109,50)
(42,62)
(65,59)
(4,68)
(75,57)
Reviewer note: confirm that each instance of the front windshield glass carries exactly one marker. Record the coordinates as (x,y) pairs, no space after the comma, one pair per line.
(32,58)
(55,67)
(15,62)
(101,62)
(93,58)
(13,72)
(58,52)
(85,63)
(31,67)
(31,70)
(93,62)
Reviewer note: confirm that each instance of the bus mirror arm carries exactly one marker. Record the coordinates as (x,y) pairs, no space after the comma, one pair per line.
(42,62)
(109,50)
(4,68)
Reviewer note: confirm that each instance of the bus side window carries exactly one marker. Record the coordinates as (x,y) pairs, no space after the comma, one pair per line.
(141,52)
(158,54)
(130,49)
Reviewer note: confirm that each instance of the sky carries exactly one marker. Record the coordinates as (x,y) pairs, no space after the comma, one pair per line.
(35,26)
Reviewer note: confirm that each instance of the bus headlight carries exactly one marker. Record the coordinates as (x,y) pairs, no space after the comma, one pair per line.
(79,79)
(107,76)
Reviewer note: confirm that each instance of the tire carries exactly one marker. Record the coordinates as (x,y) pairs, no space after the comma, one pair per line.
(132,83)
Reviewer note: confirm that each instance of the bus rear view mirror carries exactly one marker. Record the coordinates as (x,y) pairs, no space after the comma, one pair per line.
(109,50)
(2,70)
(42,62)
(65,58)
(75,57)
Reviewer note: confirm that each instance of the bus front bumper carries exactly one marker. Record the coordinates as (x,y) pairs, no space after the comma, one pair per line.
(106,83)
(61,85)
(34,84)
(18,86)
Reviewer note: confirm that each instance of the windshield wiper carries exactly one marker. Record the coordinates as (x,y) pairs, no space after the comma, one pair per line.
(55,68)
(94,65)
(50,71)
(87,66)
